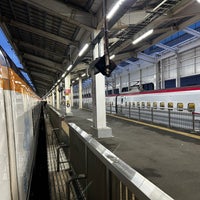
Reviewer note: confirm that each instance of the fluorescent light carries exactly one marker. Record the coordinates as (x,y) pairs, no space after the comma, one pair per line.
(114,9)
(143,36)
(73,81)
(111,57)
(70,66)
(159,5)
(77,78)
(198,1)
(83,49)
(83,75)
(63,75)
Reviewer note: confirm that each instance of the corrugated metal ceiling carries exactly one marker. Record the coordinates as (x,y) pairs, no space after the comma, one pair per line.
(47,35)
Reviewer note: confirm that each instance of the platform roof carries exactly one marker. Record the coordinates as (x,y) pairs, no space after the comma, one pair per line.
(47,35)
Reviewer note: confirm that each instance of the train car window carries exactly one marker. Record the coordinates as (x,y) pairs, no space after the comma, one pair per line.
(133,104)
(170,105)
(162,105)
(191,107)
(148,104)
(116,91)
(155,105)
(109,92)
(138,104)
(180,106)
(125,89)
(143,104)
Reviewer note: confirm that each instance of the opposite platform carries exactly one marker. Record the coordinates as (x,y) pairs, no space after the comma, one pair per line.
(169,160)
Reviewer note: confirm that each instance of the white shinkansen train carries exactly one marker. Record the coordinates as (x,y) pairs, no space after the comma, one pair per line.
(19,110)
(177,107)
(178,99)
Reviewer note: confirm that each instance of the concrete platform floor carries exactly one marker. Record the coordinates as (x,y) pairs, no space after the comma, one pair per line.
(171,161)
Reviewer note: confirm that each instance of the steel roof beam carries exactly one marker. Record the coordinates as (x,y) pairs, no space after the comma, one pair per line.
(192,32)
(146,57)
(163,46)
(66,12)
(173,14)
(50,73)
(42,33)
(43,61)
(42,76)
(41,82)
(43,67)
(38,49)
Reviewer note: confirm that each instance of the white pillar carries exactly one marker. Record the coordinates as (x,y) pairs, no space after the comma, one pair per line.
(53,98)
(162,75)
(57,98)
(129,81)
(120,83)
(72,94)
(49,99)
(80,92)
(157,76)
(68,95)
(98,99)
(178,67)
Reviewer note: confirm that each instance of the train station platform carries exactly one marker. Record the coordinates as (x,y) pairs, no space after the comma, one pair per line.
(165,157)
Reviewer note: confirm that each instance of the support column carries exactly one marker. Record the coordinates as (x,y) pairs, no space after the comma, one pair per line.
(68,95)
(49,99)
(57,98)
(162,75)
(53,98)
(120,83)
(158,75)
(80,93)
(178,67)
(72,94)
(129,81)
(98,99)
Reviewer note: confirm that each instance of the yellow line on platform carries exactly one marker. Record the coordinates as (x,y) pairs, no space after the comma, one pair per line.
(158,127)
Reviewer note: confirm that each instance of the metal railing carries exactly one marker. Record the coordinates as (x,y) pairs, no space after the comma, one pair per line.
(107,176)
(189,121)
(100,173)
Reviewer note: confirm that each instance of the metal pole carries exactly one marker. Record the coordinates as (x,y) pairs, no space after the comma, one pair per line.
(169,117)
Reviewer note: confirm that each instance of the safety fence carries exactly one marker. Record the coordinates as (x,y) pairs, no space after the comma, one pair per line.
(168,117)
(99,173)
(105,175)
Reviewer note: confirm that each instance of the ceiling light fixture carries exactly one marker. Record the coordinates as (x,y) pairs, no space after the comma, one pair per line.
(198,1)
(111,57)
(143,36)
(63,75)
(70,66)
(83,49)
(114,9)
(159,5)
(83,75)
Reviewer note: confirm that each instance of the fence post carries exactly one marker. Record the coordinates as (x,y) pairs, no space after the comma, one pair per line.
(151,115)
(129,110)
(139,112)
(193,121)
(169,117)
